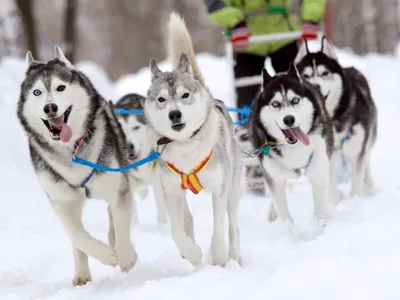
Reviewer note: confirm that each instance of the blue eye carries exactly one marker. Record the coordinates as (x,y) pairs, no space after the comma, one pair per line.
(37,92)
(296,100)
(275,104)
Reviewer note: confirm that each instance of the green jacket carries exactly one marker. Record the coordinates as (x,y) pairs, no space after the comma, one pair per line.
(228,13)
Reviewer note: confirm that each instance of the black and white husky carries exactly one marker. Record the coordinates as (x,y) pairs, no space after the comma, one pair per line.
(290,128)
(350,105)
(62,114)
(198,151)
(135,129)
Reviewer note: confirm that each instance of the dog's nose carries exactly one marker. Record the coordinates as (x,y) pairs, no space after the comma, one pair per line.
(50,109)
(289,120)
(175,116)
(131,149)
(317,86)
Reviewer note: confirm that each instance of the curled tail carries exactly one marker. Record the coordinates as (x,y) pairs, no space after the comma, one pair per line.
(180,42)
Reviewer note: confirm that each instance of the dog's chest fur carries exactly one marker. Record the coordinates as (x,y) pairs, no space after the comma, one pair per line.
(295,156)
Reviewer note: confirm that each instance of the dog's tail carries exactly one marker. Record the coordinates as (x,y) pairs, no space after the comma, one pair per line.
(180,42)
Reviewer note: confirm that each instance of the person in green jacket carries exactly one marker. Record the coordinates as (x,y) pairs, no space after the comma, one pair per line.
(243,18)
(256,17)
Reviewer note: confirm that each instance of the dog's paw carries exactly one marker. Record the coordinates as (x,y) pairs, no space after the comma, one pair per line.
(219,254)
(127,256)
(105,254)
(81,278)
(192,253)
(271,214)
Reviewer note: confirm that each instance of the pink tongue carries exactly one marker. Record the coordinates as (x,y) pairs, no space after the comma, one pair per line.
(65,130)
(299,135)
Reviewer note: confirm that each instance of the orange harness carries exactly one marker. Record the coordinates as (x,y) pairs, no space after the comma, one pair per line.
(190,181)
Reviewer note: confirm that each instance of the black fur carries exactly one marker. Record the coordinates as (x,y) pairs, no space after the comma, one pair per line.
(356,105)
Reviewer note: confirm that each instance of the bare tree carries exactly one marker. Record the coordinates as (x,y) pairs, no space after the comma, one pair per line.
(28,22)
(70,29)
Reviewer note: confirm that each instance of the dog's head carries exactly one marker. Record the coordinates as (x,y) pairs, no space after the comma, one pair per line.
(134,126)
(285,110)
(176,105)
(55,99)
(321,69)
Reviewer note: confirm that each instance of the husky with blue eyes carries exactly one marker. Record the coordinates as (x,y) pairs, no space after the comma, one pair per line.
(290,129)
(62,114)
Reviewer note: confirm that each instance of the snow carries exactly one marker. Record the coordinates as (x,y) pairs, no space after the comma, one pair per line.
(355,257)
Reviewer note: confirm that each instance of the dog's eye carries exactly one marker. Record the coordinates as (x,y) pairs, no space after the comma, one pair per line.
(275,104)
(185,95)
(37,92)
(161,99)
(136,128)
(325,73)
(296,100)
(306,76)
(60,88)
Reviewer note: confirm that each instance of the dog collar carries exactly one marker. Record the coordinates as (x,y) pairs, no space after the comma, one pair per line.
(191,181)
(164,140)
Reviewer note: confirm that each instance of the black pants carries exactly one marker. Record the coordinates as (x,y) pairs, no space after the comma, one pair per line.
(250,65)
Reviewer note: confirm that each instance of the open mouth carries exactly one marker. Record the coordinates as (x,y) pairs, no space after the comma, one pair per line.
(58,128)
(294,134)
(178,127)
(134,157)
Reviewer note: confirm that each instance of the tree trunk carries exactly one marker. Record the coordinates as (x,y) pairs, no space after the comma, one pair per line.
(25,9)
(70,30)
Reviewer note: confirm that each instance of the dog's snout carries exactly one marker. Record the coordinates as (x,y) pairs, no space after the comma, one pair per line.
(317,86)
(175,116)
(50,109)
(289,120)
(131,149)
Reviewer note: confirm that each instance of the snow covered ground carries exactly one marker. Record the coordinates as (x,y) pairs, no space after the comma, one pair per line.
(357,256)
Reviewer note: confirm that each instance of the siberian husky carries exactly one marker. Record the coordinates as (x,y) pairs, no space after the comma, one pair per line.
(351,107)
(135,129)
(194,133)
(62,115)
(292,133)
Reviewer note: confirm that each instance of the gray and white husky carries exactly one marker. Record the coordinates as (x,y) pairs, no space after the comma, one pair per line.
(63,114)
(135,129)
(195,137)
(290,128)
(351,107)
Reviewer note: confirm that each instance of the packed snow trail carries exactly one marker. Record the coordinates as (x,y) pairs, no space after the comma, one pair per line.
(357,256)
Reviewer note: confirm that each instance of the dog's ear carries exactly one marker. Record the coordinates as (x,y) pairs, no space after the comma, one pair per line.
(294,72)
(155,71)
(111,104)
(303,51)
(327,48)
(184,64)
(29,59)
(266,77)
(59,54)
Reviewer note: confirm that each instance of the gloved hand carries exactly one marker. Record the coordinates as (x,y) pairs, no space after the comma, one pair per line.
(309,31)
(240,36)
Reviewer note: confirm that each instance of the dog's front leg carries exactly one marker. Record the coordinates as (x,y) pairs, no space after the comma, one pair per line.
(319,174)
(82,272)
(69,214)
(175,201)
(279,206)
(160,201)
(218,249)
(336,194)
(358,168)
(121,212)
